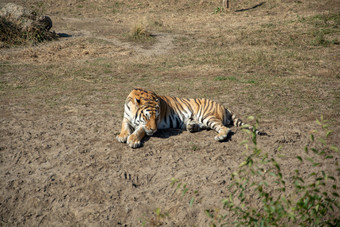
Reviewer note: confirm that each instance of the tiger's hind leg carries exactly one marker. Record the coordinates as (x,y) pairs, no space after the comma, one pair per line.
(217,125)
(223,134)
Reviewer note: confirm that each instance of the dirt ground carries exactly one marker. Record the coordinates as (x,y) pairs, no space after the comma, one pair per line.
(62,105)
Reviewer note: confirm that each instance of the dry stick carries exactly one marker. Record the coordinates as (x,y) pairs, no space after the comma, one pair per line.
(225,2)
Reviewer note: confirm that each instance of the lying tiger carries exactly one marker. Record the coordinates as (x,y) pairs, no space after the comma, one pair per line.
(145,112)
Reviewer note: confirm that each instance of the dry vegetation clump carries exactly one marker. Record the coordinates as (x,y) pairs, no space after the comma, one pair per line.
(12,35)
(140,32)
(9,33)
(19,25)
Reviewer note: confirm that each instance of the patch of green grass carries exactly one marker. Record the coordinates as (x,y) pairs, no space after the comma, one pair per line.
(221,78)
(117,7)
(3,85)
(320,38)
(325,20)
(194,147)
(324,27)
(218,10)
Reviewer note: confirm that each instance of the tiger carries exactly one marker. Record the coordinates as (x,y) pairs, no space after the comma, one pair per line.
(145,113)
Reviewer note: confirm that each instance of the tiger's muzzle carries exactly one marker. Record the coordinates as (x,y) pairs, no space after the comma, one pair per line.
(150,132)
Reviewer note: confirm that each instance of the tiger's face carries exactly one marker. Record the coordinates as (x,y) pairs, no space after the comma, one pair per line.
(148,109)
(150,115)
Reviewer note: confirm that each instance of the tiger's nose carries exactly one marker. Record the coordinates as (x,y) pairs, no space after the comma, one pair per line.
(150,132)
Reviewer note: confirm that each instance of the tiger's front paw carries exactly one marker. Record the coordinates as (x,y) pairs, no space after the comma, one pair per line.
(133,141)
(122,138)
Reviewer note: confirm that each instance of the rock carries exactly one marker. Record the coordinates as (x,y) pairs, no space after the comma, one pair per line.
(46,22)
(25,19)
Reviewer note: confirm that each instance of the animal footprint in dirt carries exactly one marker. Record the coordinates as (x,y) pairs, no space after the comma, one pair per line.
(134,179)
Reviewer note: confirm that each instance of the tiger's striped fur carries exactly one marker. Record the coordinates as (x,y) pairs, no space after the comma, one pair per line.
(145,112)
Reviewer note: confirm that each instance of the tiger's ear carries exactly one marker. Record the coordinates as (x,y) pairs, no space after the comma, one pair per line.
(137,102)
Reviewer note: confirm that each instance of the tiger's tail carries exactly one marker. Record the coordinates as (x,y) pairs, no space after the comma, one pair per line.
(239,123)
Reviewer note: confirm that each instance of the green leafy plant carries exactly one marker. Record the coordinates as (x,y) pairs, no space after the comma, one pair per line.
(183,189)
(218,10)
(258,193)
(157,218)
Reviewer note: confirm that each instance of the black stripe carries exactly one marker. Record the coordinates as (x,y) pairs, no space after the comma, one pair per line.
(178,122)
(187,103)
(170,122)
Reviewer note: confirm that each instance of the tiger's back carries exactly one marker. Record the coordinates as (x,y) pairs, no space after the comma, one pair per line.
(177,111)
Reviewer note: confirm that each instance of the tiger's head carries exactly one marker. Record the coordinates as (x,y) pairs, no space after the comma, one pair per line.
(147,110)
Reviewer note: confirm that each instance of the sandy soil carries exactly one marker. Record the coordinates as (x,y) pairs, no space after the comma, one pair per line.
(61,164)
(68,169)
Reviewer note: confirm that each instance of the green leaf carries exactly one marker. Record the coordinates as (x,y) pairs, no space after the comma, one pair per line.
(306,149)
(184,191)
(191,202)
(310,159)
(272,174)
(243,164)
(173,181)
(312,185)
(335,194)
(312,137)
(178,186)
(251,118)
(244,142)
(331,177)
(158,211)
(329,132)
(322,141)
(318,122)
(335,148)
(316,164)
(208,213)
(277,166)
(300,179)
(315,150)
(299,157)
